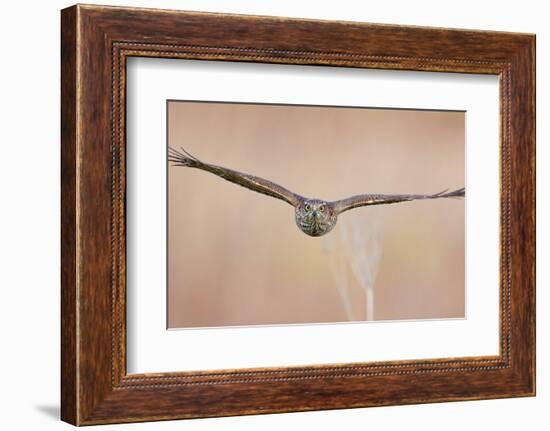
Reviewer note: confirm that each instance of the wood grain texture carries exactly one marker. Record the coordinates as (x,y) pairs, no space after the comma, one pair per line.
(96,41)
(69,366)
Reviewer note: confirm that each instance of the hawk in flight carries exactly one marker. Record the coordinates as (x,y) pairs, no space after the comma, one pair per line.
(314,217)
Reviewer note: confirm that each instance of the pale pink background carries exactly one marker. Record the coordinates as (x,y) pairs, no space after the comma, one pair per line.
(236,257)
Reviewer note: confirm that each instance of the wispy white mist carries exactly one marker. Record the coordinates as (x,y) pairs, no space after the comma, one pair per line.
(354,250)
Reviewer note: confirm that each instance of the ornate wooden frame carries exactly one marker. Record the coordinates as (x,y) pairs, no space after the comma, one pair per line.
(95,43)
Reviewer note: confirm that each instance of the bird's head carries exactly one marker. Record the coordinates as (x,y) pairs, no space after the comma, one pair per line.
(315,217)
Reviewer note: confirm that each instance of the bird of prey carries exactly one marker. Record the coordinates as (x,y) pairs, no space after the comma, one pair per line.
(314,217)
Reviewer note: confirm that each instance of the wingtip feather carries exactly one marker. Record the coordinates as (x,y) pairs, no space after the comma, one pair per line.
(182,158)
(459,193)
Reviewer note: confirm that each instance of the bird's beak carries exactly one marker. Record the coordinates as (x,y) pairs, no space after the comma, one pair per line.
(316,214)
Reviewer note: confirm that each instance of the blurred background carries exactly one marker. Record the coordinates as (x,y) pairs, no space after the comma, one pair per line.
(236,257)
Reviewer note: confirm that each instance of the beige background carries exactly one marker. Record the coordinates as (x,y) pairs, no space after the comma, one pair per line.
(236,257)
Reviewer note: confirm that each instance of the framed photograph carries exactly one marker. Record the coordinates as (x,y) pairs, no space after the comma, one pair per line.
(262,214)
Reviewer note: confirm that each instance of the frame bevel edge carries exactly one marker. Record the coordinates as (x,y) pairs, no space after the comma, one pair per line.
(532,45)
(524,67)
(139,9)
(69,411)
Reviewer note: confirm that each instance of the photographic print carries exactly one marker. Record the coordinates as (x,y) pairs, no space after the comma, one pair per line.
(341,217)
(293,214)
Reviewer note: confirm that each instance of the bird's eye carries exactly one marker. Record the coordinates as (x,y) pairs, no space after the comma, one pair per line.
(308,207)
(322,208)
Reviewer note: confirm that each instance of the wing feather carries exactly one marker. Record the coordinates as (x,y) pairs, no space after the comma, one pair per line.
(377,199)
(251,182)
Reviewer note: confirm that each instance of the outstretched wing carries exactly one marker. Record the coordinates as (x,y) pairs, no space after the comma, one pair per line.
(257,184)
(364,200)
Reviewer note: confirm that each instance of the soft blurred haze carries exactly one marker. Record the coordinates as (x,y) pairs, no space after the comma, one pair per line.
(236,257)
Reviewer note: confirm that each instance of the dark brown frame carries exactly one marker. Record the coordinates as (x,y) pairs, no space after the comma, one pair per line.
(95,43)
